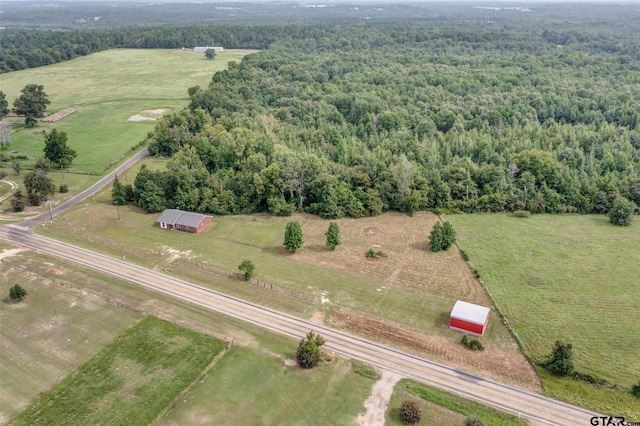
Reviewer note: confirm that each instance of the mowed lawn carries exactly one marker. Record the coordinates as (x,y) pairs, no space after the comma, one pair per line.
(253,386)
(107,88)
(567,277)
(130,381)
(53,330)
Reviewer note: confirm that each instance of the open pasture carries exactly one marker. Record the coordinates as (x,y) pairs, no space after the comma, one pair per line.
(411,290)
(567,277)
(131,380)
(54,329)
(107,88)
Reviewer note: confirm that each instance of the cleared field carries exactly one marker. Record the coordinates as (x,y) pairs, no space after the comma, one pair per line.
(107,88)
(404,298)
(443,408)
(56,328)
(252,386)
(565,277)
(129,381)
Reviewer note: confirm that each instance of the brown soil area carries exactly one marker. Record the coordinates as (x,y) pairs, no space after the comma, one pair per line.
(508,367)
(58,115)
(408,262)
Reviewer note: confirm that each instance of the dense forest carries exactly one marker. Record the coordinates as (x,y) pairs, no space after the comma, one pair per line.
(470,110)
(369,118)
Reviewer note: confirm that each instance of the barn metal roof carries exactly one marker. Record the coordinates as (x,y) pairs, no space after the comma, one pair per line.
(469,312)
(179,217)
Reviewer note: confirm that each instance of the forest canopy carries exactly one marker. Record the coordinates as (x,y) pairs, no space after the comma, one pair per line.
(363,119)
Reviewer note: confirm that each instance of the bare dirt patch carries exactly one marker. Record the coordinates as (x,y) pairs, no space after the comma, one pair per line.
(58,115)
(403,240)
(509,367)
(376,404)
(149,114)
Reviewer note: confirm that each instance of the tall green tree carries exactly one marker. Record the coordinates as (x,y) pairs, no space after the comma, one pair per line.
(621,212)
(56,149)
(32,103)
(308,354)
(5,139)
(4,105)
(333,236)
(293,236)
(39,184)
(118,192)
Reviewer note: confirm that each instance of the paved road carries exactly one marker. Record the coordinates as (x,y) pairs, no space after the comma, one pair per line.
(86,194)
(538,409)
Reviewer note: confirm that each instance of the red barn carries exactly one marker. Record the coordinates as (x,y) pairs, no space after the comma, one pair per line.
(469,318)
(183,221)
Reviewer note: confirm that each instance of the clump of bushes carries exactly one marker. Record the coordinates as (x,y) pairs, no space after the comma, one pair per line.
(64,188)
(374,254)
(473,344)
(522,213)
(635,390)
(473,421)
(442,236)
(410,412)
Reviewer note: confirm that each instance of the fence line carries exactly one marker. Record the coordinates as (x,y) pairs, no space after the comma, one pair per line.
(253,281)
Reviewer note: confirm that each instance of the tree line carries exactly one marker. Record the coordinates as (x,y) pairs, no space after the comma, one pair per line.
(362,120)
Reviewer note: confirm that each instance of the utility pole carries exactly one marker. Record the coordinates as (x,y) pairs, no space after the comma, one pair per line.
(50,211)
(525,196)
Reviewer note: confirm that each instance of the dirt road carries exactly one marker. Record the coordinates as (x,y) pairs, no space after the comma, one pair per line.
(537,408)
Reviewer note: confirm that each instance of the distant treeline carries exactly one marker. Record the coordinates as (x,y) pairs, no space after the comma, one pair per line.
(23,48)
(352,121)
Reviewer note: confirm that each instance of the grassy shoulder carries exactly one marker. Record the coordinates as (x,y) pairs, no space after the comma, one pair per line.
(565,277)
(440,407)
(129,381)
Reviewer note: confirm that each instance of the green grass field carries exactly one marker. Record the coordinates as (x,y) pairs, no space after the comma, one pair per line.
(130,381)
(565,277)
(253,386)
(107,88)
(56,327)
(440,407)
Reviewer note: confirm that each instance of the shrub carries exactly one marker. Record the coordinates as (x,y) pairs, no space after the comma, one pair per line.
(473,344)
(64,188)
(308,353)
(17,202)
(371,253)
(247,268)
(410,412)
(622,212)
(17,293)
(635,390)
(560,361)
(442,236)
(473,421)
(34,198)
(522,213)
(465,256)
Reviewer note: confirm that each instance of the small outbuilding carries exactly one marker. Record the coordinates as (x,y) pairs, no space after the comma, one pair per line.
(183,221)
(469,318)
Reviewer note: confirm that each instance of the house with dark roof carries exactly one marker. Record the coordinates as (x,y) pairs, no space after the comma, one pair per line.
(183,221)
